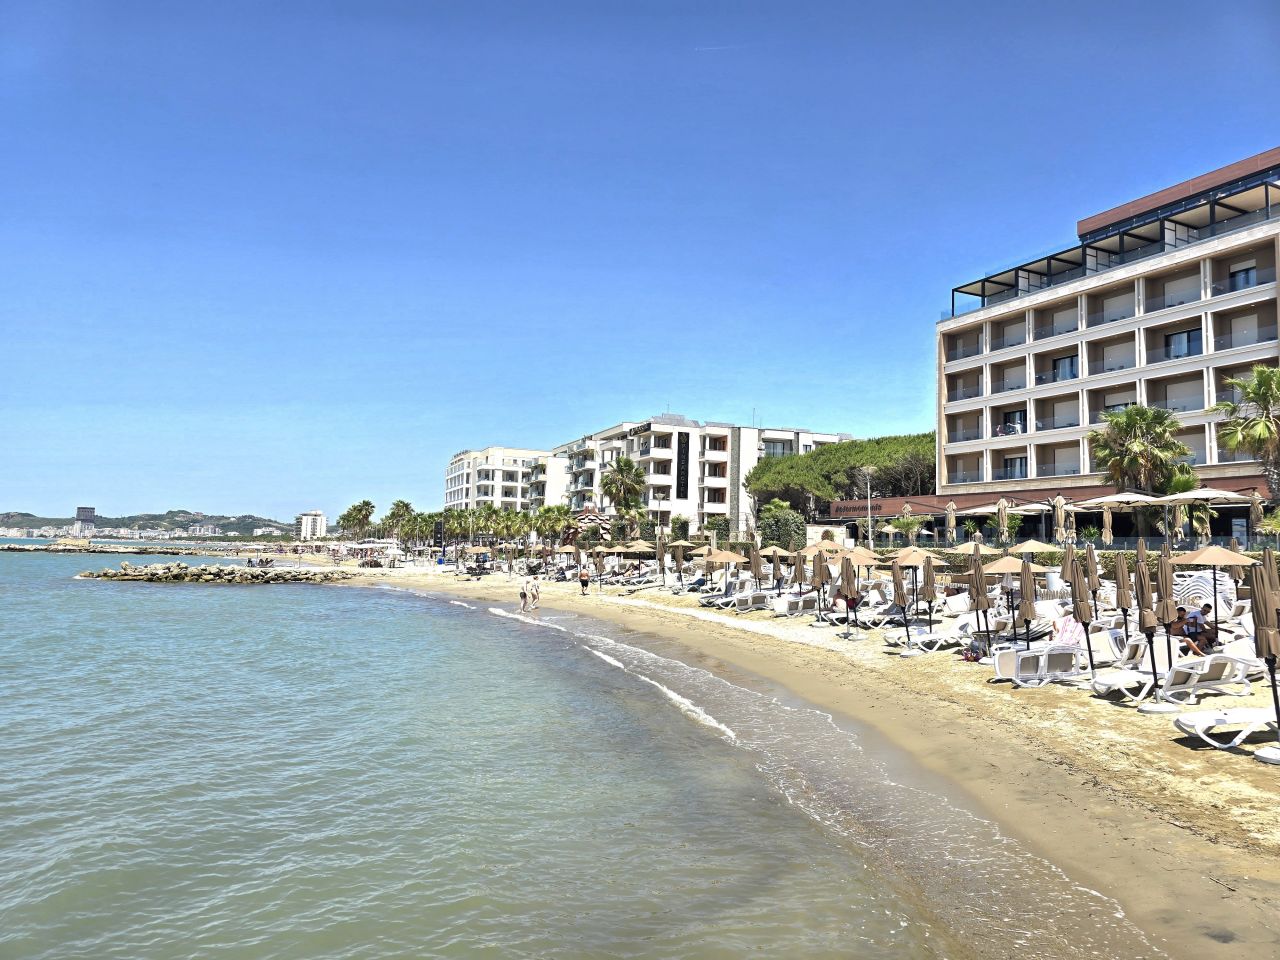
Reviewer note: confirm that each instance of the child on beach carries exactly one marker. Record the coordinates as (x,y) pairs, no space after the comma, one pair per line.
(535,594)
(524,597)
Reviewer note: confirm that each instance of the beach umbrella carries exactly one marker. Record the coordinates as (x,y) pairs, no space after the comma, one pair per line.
(951,521)
(757,567)
(1125,500)
(1269,568)
(979,549)
(1142,553)
(1146,615)
(1107,536)
(1032,546)
(682,544)
(1124,590)
(1027,598)
(1214,557)
(1002,520)
(1266,641)
(863,557)
(915,557)
(599,570)
(775,555)
(567,549)
(821,576)
(978,601)
(660,555)
(848,586)
(1081,610)
(1059,518)
(1236,572)
(1255,511)
(900,596)
(1068,570)
(577,556)
(1092,580)
(1167,607)
(797,571)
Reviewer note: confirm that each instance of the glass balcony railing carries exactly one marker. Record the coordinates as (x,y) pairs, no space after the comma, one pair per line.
(966,476)
(1166,300)
(1002,386)
(1009,473)
(1244,281)
(965,393)
(965,433)
(1057,423)
(1244,338)
(1055,330)
(964,351)
(1008,429)
(1233,456)
(1112,365)
(1165,354)
(1110,316)
(1056,376)
(1177,405)
(1014,340)
(1058,470)
(1228,395)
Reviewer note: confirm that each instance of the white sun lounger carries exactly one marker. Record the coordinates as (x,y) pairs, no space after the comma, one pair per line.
(1187,681)
(1039,666)
(1206,723)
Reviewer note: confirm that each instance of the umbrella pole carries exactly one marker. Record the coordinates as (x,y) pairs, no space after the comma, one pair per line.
(1275,695)
(1124,616)
(1151,652)
(1088,646)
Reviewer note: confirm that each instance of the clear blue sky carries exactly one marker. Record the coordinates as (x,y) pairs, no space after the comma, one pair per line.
(271,257)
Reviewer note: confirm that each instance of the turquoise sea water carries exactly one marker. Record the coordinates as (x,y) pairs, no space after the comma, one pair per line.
(304,771)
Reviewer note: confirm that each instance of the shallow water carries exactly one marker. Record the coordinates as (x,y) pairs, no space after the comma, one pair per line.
(302,771)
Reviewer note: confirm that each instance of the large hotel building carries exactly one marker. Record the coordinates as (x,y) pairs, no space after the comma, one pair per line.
(1159,302)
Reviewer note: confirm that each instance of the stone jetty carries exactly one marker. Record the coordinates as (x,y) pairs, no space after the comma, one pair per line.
(215,573)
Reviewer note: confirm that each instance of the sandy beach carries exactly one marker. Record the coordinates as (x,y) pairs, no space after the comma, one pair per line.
(1185,838)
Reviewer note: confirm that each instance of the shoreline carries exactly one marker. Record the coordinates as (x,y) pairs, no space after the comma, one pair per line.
(1200,881)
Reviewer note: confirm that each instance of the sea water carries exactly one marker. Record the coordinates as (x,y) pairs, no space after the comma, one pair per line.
(309,771)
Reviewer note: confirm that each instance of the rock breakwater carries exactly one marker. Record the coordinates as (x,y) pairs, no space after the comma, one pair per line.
(215,573)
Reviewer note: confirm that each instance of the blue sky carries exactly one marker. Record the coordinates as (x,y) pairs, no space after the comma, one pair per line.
(270,257)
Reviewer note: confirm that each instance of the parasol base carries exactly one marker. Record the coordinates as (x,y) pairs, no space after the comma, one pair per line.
(1159,706)
(1268,755)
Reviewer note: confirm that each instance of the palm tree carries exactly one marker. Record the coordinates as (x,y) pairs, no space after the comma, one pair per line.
(623,484)
(1182,480)
(357,519)
(1252,421)
(1137,447)
(401,512)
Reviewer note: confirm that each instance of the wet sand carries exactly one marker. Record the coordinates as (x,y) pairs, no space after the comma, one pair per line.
(1186,839)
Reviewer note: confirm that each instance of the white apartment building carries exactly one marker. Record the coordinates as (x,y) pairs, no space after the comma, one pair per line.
(695,470)
(1161,301)
(501,477)
(312,525)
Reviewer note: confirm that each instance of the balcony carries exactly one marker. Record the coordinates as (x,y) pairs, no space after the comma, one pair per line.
(1111,366)
(1233,456)
(1015,340)
(1255,278)
(1167,300)
(965,476)
(963,434)
(1057,423)
(1014,429)
(1058,470)
(1245,338)
(1177,405)
(964,351)
(1229,394)
(1101,317)
(1166,354)
(1003,386)
(964,393)
(1054,330)
(1009,473)
(1056,376)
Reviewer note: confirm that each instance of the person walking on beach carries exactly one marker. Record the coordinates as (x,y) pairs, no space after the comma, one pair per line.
(584,579)
(524,597)
(535,594)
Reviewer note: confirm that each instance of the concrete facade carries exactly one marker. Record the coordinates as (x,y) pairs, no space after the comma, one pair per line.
(498,476)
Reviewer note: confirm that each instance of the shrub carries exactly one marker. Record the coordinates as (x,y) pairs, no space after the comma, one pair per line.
(719,525)
(782,528)
(618,531)
(679,527)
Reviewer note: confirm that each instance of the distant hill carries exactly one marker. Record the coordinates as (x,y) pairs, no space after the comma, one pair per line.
(243,524)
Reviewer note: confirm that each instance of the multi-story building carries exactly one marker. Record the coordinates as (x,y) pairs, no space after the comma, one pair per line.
(1161,301)
(496,476)
(695,470)
(312,525)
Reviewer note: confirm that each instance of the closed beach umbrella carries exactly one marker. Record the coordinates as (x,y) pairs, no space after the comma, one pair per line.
(848,586)
(797,570)
(1124,590)
(1027,602)
(1002,520)
(900,596)
(1236,572)
(1266,641)
(978,602)
(1092,580)
(1108,537)
(1167,607)
(757,566)
(1081,610)
(1059,518)
(951,521)
(1269,568)
(1146,615)
(1068,570)
(1255,510)
(660,555)
(1141,559)
(929,584)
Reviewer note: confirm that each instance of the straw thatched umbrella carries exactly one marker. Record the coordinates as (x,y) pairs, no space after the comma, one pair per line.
(1146,614)
(1059,518)
(1266,641)
(1215,557)
(1124,590)
(1167,607)
(900,595)
(1108,537)
(1002,520)
(951,521)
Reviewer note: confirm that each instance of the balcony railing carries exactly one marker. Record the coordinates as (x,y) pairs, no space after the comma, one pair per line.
(965,393)
(1002,386)
(1056,376)
(1100,317)
(1165,354)
(1016,340)
(1008,429)
(1221,287)
(1097,415)
(1245,338)
(964,351)
(1177,406)
(1111,366)
(1233,456)
(965,433)
(1057,423)
(966,476)
(1055,330)
(1166,300)
(1229,395)
(1009,473)
(1057,470)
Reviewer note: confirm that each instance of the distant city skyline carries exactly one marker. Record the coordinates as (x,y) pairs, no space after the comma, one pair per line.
(270,260)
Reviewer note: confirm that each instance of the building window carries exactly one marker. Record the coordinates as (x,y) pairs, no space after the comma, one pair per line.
(1015,468)
(777,448)
(1184,344)
(1243,277)
(1064,368)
